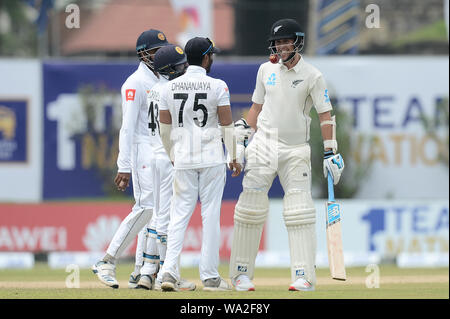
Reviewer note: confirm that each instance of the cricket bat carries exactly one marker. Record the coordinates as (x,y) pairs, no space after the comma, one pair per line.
(334,235)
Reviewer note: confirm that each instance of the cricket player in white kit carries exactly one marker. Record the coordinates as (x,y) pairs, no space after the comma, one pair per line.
(284,94)
(192,107)
(134,160)
(170,62)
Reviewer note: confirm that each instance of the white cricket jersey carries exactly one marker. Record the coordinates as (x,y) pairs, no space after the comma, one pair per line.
(134,114)
(153,102)
(192,100)
(287,97)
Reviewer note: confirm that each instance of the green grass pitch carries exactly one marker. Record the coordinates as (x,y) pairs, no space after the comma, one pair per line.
(393,283)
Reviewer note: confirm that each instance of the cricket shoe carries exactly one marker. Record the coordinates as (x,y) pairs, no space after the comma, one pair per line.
(185,285)
(146,282)
(216,284)
(243,283)
(157,285)
(301,284)
(168,283)
(106,273)
(133,281)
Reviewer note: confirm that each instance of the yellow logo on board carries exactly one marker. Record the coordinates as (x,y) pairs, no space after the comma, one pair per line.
(7,123)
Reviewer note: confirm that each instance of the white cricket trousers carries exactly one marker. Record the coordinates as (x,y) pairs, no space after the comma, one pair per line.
(189,185)
(162,170)
(140,215)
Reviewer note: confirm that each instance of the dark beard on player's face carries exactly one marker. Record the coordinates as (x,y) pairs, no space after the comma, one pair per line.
(208,67)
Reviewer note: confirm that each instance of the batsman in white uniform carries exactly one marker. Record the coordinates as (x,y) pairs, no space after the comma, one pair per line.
(170,62)
(192,107)
(286,89)
(134,160)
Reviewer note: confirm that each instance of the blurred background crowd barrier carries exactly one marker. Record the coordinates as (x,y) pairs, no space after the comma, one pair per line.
(62,64)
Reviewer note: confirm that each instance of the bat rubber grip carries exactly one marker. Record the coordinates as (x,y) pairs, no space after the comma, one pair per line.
(330,188)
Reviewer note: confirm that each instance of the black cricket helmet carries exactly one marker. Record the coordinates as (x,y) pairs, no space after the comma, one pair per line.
(147,41)
(286,29)
(170,61)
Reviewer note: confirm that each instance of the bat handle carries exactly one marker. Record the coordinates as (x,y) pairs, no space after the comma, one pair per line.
(330,188)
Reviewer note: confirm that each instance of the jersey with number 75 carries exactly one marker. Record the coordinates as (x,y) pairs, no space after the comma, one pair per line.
(192,100)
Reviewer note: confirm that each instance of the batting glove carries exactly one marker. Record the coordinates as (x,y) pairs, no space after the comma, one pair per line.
(243,131)
(334,164)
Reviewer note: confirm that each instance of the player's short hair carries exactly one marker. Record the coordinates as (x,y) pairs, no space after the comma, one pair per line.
(195,60)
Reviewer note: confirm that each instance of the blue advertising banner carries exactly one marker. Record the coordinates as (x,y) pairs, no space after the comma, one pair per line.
(372,229)
(397,130)
(404,227)
(81,109)
(64,175)
(13,130)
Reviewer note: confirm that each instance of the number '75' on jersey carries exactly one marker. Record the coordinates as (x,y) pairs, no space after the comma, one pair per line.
(197,107)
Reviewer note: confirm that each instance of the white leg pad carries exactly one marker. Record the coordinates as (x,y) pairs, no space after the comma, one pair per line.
(162,248)
(300,220)
(249,217)
(151,255)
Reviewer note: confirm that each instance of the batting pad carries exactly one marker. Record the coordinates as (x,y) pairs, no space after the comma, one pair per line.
(300,220)
(298,208)
(249,217)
